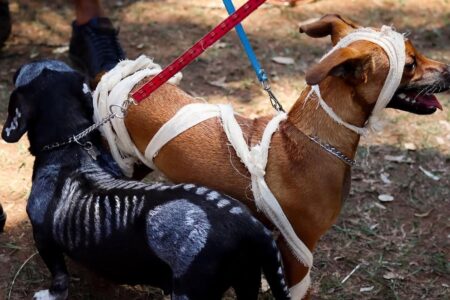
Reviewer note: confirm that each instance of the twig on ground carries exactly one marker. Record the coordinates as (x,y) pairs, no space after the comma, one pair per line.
(18,272)
(351,273)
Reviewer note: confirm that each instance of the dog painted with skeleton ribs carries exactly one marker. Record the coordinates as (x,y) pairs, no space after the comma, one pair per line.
(186,239)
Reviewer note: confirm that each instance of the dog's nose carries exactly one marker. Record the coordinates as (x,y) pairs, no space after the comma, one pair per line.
(447,76)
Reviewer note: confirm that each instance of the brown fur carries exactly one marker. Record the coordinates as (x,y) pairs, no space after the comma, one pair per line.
(309,183)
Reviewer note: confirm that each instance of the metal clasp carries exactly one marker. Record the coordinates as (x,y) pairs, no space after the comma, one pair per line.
(273,99)
(123,109)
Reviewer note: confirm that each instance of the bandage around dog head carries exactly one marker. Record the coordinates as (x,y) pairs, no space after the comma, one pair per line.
(393,43)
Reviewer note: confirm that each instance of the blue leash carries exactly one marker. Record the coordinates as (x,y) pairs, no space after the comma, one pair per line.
(260,73)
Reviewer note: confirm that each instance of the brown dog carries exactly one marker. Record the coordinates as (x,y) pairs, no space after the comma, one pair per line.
(309,183)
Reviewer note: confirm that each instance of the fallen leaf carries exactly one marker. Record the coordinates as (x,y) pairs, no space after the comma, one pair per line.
(380,205)
(385,178)
(398,159)
(220,45)
(219,82)
(366,289)
(429,174)
(283,60)
(440,140)
(140,46)
(445,124)
(410,146)
(392,275)
(423,215)
(34,55)
(60,50)
(385,198)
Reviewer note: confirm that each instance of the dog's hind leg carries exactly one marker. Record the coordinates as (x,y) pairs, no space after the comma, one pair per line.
(54,260)
(247,284)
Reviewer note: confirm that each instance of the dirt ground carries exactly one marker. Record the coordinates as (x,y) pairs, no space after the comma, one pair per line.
(397,250)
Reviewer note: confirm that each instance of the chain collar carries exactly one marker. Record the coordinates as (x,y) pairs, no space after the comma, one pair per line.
(332,150)
(88,145)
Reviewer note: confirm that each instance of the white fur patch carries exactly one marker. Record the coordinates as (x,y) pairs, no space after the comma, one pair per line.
(46,295)
(86,89)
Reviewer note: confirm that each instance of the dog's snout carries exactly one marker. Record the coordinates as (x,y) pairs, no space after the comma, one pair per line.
(447,74)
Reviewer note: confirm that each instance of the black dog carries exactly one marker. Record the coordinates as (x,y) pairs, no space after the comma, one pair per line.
(185,239)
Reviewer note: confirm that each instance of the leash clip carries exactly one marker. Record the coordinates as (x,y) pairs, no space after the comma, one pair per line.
(273,99)
(122,109)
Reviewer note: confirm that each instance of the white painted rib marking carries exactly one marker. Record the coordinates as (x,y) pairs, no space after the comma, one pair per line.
(134,209)
(87,231)
(117,201)
(125,212)
(78,221)
(108,217)
(97,223)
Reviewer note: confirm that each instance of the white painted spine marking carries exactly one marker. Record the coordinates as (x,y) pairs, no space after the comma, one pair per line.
(222,203)
(153,186)
(236,210)
(212,196)
(201,191)
(189,187)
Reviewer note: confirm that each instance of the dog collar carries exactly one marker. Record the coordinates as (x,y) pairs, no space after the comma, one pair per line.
(332,150)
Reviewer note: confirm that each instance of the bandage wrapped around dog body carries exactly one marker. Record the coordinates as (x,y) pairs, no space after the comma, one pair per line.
(113,90)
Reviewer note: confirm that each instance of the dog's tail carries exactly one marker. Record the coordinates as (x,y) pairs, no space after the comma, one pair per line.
(272,266)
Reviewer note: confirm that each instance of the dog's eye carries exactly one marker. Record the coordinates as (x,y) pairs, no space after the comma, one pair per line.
(411,66)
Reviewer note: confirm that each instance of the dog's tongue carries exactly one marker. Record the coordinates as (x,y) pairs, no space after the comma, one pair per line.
(425,100)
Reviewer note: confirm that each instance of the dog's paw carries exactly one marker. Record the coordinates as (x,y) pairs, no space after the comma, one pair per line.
(46,295)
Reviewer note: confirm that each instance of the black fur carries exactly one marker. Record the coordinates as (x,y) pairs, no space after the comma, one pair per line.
(185,239)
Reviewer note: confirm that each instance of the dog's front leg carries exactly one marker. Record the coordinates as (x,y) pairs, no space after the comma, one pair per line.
(54,260)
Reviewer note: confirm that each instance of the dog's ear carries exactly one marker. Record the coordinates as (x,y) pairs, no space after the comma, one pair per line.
(347,63)
(19,114)
(333,25)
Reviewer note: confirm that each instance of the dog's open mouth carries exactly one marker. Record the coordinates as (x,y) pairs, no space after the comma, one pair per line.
(416,101)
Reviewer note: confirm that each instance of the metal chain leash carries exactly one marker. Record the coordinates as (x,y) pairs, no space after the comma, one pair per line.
(88,145)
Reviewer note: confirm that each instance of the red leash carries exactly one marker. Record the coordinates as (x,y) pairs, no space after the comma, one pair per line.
(195,51)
